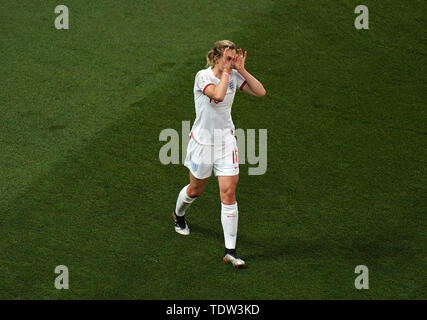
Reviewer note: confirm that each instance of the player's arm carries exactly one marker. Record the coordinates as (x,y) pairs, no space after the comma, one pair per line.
(253,86)
(219,91)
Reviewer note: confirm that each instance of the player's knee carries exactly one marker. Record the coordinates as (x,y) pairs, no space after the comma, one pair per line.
(228,196)
(195,192)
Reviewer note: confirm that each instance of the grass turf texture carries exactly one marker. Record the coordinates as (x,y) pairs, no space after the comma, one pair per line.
(81,183)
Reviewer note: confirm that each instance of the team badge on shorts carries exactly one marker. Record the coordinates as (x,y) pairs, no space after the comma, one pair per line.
(194,166)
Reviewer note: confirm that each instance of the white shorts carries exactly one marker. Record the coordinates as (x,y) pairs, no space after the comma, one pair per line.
(201,159)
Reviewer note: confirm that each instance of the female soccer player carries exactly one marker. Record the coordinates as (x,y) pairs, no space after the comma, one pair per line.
(212,144)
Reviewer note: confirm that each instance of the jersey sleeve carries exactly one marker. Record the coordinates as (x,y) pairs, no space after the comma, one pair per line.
(202,81)
(241,82)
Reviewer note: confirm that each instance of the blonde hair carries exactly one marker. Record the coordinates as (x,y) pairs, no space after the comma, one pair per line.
(218,50)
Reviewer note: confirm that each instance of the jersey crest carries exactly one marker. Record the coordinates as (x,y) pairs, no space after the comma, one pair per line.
(231,85)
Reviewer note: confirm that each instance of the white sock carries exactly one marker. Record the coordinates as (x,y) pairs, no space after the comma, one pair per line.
(183,202)
(229,219)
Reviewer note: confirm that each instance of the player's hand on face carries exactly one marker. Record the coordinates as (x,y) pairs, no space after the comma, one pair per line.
(239,60)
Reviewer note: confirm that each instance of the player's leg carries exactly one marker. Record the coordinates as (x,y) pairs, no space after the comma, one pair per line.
(200,170)
(226,168)
(196,186)
(227,188)
(185,198)
(189,193)
(229,217)
(229,209)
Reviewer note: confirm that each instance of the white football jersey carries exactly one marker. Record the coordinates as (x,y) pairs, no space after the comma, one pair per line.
(213,124)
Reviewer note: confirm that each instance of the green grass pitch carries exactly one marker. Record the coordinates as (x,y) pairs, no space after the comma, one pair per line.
(81,183)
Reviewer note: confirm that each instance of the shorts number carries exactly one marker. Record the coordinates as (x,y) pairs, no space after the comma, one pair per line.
(235,157)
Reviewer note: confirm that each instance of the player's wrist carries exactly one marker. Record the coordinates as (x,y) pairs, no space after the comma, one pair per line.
(227,70)
(242,69)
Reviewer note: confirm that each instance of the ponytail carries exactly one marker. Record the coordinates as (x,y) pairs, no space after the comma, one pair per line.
(210,58)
